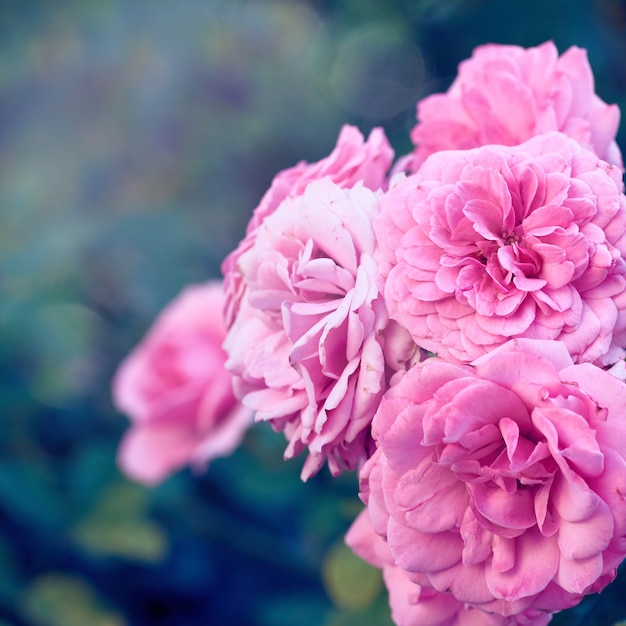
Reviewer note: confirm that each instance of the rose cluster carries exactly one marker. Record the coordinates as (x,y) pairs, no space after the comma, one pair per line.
(452,326)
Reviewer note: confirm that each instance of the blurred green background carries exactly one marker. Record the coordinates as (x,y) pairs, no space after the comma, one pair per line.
(135,140)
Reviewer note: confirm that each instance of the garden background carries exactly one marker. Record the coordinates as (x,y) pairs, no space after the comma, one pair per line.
(135,140)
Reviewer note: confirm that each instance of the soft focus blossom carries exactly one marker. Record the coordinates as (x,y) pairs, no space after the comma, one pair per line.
(507,94)
(353,161)
(483,245)
(503,483)
(177,392)
(414,605)
(306,347)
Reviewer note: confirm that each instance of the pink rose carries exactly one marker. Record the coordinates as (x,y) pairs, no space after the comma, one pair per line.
(414,605)
(503,483)
(483,245)
(352,161)
(306,346)
(507,94)
(177,392)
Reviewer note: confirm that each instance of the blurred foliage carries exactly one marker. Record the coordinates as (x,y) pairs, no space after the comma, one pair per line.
(136,138)
(56,599)
(350,582)
(117,527)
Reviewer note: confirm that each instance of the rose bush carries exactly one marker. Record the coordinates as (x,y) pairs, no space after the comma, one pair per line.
(306,348)
(177,392)
(508,94)
(503,483)
(353,161)
(497,242)
(494,474)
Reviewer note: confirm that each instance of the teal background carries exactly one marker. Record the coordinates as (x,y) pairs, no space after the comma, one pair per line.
(135,140)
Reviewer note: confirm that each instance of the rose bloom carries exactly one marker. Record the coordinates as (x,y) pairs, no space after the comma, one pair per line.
(306,348)
(177,392)
(414,605)
(507,94)
(352,161)
(503,483)
(483,245)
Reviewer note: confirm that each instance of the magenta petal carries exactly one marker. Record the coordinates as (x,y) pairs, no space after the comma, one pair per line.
(571,496)
(434,499)
(536,563)
(416,551)
(551,351)
(479,404)
(575,440)
(466,583)
(576,576)
(586,538)
(366,543)
(507,510)
(605,389)
(412,605)
(512,325)
(611,487)
(503,554)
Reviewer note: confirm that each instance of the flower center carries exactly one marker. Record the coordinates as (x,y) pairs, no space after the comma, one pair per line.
(318,278)
(509,238)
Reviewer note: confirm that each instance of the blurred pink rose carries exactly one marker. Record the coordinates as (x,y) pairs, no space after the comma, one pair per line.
(414,605)
(507,94)
(503,483)
(306,347)
(353,160)
(483,245)
(177,392)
